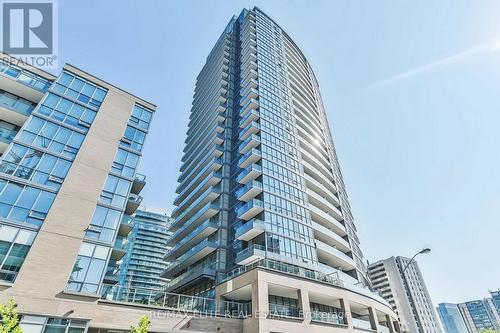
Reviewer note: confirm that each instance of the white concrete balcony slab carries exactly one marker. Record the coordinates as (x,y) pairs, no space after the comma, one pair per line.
(250,209)
(250,173)
(138,183)
(333,257)
(250,230)
(330,237)
(195,236)
(249,191)
(252,104)
(250,157)
(252,128)
(253,141)
(201,250)
(252,116)
(133,202)
(248,94)
(250,254)
(327,220)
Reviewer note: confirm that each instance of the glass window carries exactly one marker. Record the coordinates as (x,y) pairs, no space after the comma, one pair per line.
(133,138)
(45,134)
(115,191)
(125,163)
(24,204)
(14,246)
(141,117)
(104,224)
(80,89)
(88,269)
(66,111)
(31,164)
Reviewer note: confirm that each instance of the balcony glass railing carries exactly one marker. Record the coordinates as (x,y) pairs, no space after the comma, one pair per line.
(249,250)
(25,77)
(7,134)
(253,167)
(337,318)
(254,151)
(253,223)
(278,310)
(332,279)
(362,324)
(247,187)
(251,204)
(17,104)
(177,302)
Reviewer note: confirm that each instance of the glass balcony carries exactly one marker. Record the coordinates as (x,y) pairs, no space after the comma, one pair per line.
(7,133)
(16,104)
(201,232)
(250,173)
(119,248)
(278,310)
(250,157)
(250,230)
(26,77)
(139,183)
(333,257)
(250,209)
(252,128)
(126,224)
(251,142)
(201,250)
(253,115)
(252,104)
(133,202)
(175,302)
(249,191)
(251,254)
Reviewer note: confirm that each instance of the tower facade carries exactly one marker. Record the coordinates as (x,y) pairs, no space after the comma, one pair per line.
(147,244)
(262,215)
(451,318)
(400,281)
(259,177)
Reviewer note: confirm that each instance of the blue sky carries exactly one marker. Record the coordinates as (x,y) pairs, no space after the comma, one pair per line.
(412,92)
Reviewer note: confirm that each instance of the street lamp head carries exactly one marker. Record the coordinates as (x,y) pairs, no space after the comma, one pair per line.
(425,251)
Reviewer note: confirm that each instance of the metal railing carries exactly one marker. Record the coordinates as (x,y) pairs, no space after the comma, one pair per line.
(176,302)
(334,279)
(278,310)
(328,317)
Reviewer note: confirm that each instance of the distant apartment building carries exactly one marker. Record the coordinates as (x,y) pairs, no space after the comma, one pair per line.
(479,315)
(451,318)
(147,245)
(400,282)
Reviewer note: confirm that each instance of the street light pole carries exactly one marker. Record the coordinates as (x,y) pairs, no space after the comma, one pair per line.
(424,251)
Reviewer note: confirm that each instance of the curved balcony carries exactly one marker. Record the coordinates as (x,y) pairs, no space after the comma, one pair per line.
(250,254)
(250,173)
(252,128)
(201,232)
(253,141)
(139,183)
(250,157)
(250,209)
(252,104)
(330,237)
(327,220)
(249,191)
(250,230)
(190,257)
(333,257)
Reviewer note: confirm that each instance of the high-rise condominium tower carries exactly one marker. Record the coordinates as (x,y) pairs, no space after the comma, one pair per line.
(147,243)
(451,318)
(401,283)
(480,315)
(261,190)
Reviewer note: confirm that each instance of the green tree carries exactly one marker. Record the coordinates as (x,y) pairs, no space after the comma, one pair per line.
(143,326)
(9,318)
(490,331)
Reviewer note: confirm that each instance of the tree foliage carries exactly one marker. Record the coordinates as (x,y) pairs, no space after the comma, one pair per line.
(9,318)
(143,326)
